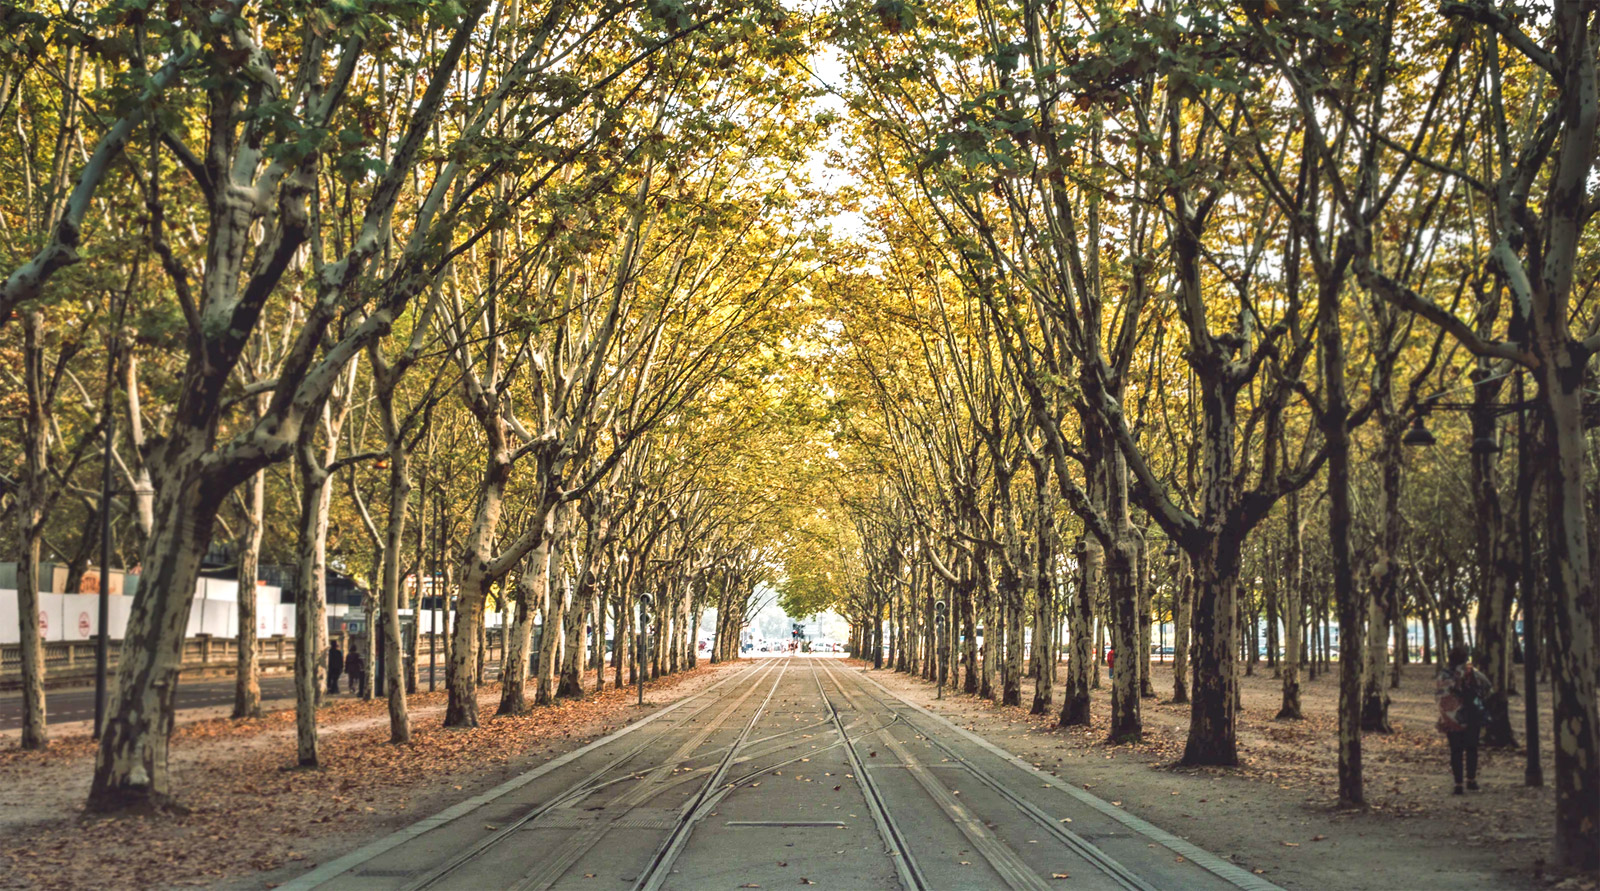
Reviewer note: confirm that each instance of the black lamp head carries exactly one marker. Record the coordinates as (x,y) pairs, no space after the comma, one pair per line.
(1419,434)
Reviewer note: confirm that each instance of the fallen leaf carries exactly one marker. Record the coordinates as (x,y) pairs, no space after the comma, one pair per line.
(1060,875)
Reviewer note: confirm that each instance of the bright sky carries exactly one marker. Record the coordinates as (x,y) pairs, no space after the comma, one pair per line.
(828,67)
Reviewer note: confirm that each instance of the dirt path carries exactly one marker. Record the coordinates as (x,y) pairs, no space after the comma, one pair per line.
(251,812)
(1274,814)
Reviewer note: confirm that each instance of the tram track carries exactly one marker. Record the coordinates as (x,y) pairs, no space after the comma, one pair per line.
(1007,866)
(637,810)
(661,864)
(910,874)
(592,782)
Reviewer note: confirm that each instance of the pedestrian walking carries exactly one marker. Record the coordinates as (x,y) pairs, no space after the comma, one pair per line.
(356,668)
(1461,691)
(1111,659)
(335,667)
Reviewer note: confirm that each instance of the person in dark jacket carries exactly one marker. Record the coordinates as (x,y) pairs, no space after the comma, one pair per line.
(335,667)
(1461,692)
(356,668)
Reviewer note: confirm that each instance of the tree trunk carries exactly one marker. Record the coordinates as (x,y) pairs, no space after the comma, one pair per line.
(1011,594)
(247,672)
(992,634)
(1497,569)
(131,764)
(462,640)
(1352,611)
(552,623)
(35,731)
(1570,623)
(597,609)
(1374,694)
(532,582)
(1214,704)
(1044,618)
(1274,597)
(1121,585)
(1182,621)
(969,629)
(1147,689)
(1385,580)
(1293,610)
(623,649)
(31,497)
(310,647)
(571,682)
(1076,696)
(394,540)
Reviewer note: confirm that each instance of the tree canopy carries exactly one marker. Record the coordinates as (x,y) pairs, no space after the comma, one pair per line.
(1008,320)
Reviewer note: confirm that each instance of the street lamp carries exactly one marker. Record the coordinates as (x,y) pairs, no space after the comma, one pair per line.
(1419,434)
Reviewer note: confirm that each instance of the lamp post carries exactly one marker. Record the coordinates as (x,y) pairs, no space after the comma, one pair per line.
(1172,600)
(644,641)
(1532,771)
(438,566)
(102,644)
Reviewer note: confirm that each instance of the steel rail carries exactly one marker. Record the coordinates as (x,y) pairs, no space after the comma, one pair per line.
(590,783)
(1007,863)
(655,875)
(1077,843)
(910,874)
(558,862)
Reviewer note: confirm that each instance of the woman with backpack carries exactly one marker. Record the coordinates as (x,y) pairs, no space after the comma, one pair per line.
(1461,692)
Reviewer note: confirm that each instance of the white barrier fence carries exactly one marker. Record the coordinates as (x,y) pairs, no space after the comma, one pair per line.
(76,617)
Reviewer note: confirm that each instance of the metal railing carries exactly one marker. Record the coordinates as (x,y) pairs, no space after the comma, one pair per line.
(74,660)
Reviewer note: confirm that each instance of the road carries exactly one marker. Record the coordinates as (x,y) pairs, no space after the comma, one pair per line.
(786,772)
(77,704)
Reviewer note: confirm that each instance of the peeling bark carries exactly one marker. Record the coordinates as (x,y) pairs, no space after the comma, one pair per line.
(247,671)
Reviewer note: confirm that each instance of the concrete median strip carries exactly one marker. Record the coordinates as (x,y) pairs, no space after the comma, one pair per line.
(1232,873)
